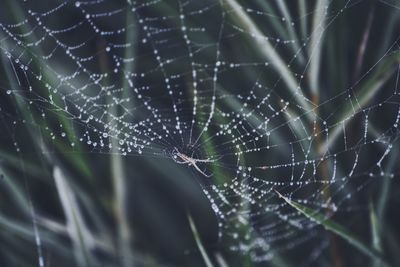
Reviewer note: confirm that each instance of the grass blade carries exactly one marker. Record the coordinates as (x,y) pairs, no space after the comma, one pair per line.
(335,228)
(75,223)
(368,90)
(221,261)
(375,232)
(292,34)
(303,21)
(196,236)
(265,47)
(316,44)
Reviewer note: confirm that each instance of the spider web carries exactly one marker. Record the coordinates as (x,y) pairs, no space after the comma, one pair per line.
(214,86)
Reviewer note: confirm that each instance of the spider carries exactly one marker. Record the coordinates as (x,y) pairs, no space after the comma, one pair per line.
(181,158)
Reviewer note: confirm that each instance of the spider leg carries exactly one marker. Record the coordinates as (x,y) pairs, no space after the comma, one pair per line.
(204,160)
(208,160)
(200,171)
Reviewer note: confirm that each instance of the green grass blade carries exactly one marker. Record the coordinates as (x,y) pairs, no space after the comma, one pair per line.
(375,233)
(303,15)
(118,170)
(268,51)
(196,236)
(120,191)
(367,91)
(74,219)
(292,34)
(220,259)
(316,45)
(335,228)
